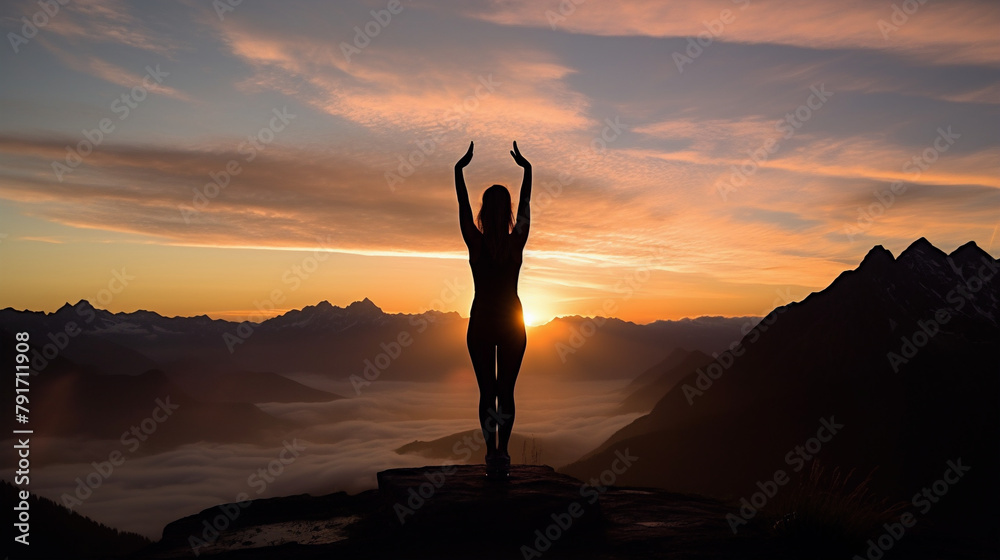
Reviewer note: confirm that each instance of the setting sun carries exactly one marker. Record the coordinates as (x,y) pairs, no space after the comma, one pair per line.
(530,319)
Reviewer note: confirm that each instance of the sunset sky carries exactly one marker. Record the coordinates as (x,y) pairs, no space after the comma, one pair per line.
(635,130)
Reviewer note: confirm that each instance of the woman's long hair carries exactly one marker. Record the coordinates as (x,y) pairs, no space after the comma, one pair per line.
(495,220)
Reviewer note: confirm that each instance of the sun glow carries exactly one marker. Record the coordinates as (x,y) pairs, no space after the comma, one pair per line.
(535,308)
(531,320)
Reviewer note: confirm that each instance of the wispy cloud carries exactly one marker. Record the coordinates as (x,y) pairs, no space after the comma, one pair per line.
(944,32)
(113,22)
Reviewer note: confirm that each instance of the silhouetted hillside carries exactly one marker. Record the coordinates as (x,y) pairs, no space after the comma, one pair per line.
(79,402)
(903,353)
(249,387)
(647,389)
(57,532)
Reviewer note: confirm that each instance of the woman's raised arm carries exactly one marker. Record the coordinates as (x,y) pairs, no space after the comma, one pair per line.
(464,207)
(524,199)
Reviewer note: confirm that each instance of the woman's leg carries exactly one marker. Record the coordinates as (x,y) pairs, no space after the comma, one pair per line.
(482,350)
(510,352)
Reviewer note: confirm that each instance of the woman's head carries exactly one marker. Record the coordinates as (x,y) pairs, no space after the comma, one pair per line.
(495,219)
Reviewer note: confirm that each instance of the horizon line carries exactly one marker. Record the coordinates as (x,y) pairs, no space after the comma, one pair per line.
(280,312)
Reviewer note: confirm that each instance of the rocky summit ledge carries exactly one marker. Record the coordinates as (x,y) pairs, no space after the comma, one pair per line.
(534,504)
(455,512)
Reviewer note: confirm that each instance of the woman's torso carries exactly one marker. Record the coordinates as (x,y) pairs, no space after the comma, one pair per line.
(495,280)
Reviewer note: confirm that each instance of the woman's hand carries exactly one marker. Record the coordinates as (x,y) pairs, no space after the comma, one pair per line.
(465,159)
(518,158)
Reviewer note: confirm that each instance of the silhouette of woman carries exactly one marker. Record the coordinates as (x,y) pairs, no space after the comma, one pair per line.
(496,336)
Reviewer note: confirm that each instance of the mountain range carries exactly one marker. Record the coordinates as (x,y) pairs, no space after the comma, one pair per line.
(337,341)
(110,368)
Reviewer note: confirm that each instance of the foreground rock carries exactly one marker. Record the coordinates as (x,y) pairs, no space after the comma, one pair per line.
(535,507)
(455,512)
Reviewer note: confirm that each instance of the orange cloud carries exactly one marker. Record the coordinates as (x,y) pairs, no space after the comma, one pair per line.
(960,31)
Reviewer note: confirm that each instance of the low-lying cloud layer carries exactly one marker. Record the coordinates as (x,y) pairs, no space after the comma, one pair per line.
(347,442)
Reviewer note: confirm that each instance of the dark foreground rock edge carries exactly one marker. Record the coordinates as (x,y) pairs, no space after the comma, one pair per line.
(445,512)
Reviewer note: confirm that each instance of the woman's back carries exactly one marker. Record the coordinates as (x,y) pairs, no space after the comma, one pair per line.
(495,278)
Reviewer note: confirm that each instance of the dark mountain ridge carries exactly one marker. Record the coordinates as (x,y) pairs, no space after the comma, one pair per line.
(903,352)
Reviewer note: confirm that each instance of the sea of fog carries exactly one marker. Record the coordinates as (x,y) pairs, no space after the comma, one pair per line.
(341,447)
